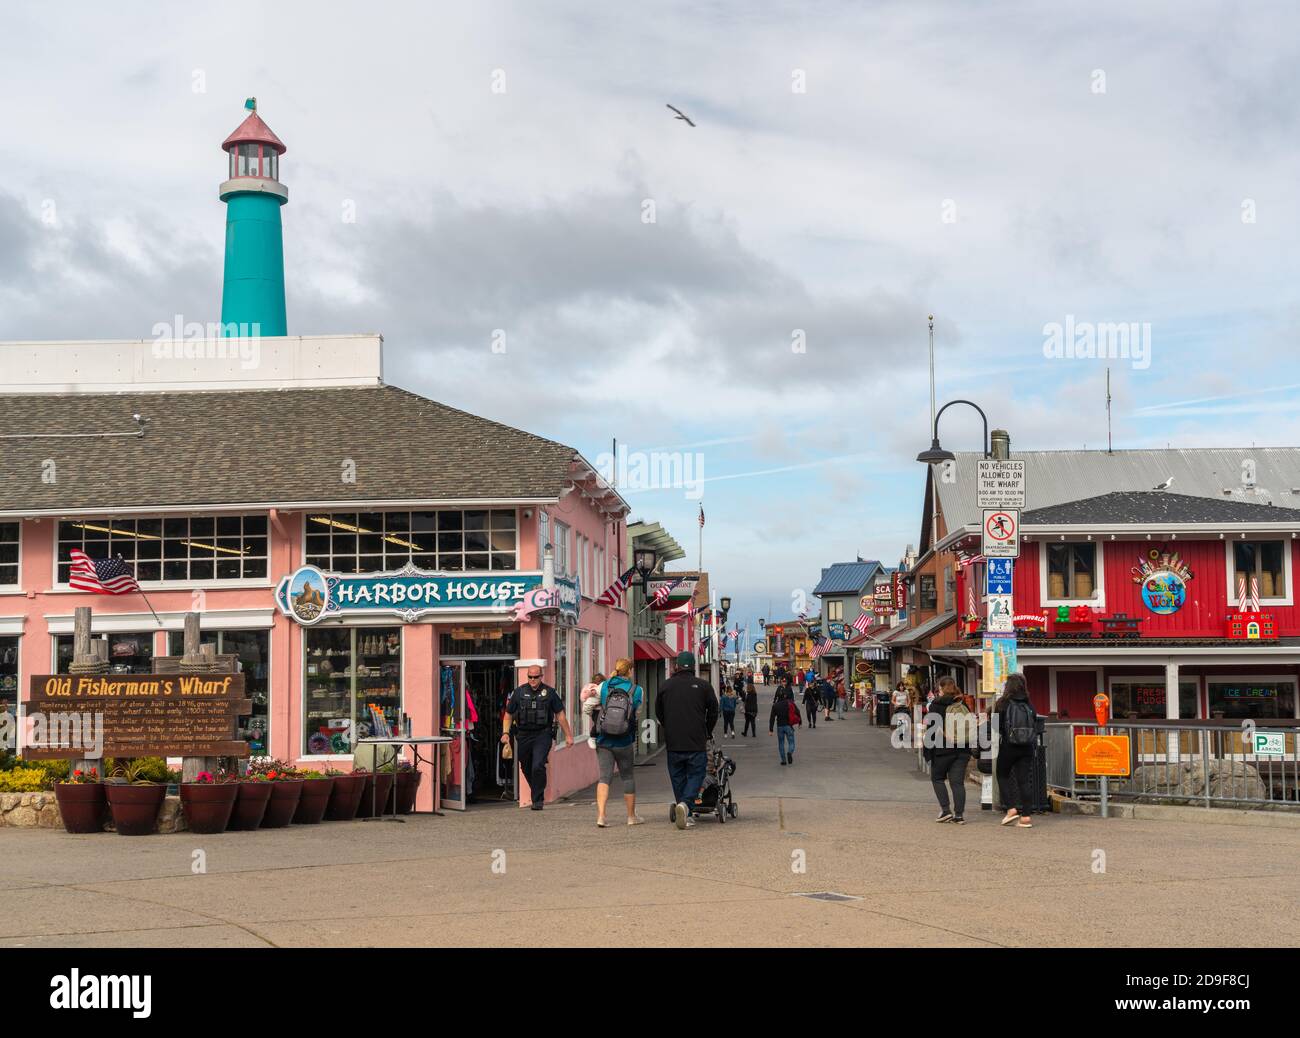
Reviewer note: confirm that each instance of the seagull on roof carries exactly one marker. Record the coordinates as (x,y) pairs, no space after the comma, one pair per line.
(1165,485)
(682,116)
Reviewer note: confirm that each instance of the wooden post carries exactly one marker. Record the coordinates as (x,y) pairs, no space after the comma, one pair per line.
(87,658)
(195,659)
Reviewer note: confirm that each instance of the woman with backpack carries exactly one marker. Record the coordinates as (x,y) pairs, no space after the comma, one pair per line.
(1017,727)
(947,746)
(784,718)
(620,703)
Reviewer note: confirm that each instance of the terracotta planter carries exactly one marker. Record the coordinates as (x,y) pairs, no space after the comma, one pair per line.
(134,808)
(377,791)
(315,798)
(82,806)
(345,798)
(280,808)
(250,805)
(407,784)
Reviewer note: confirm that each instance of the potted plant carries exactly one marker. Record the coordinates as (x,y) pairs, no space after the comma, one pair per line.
(316,789)
(345,797)
(208,801)
(81,801)
(286,791)
(376,791)
(254,793)
(408,782)
(134,802)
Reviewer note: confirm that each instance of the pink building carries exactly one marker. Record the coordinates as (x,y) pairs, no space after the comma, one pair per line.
(218,475)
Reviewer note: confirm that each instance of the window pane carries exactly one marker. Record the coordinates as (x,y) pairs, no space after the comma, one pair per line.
(1272,580)
(397,522)
(227,526)
(476,520)
(145,571)
(255,525)
(503,520)
(149,550)
(370,544)
(476,540)
(503,540)
(1084,558)
(255,546)
(175,549)
(451,563)
(176,528)
(424,521)
(318,543)
(227,568)
(449,542)
(254,568)
(203,527)
(370,563)
(476,561)
(449,520)
(345,544)
(202,569)
(500,561)
(174,570)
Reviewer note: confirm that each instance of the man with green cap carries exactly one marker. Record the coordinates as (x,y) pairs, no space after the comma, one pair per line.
(687,710)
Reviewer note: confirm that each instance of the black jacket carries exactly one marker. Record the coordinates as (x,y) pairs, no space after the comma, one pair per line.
(751,703)
(780,714)
(687,709)
(810,696)
(941,744)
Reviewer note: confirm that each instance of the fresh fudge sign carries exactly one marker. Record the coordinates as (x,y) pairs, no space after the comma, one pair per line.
(309,595)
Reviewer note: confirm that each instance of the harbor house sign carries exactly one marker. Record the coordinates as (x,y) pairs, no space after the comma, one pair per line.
(309,595)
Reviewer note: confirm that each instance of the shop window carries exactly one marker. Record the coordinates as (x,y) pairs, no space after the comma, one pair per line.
(562,670)
(447,540)
(346,671)
(1251,698)
(949,588)
(8,675)
(184,549)
(127,653)
(1140,699)
(835,611)
(1262,561)
(254,651)
(929,596)
(8,554)
(479,641)
(560,547)
(582,673)
(598,654)
(1071,572)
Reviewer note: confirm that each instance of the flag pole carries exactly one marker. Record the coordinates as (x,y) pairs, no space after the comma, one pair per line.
(142,594)
(700,576)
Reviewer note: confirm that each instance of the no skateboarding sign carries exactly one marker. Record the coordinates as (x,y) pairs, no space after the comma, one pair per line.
(1001,533)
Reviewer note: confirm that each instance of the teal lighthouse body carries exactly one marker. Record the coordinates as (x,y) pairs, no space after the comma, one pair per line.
(252,293)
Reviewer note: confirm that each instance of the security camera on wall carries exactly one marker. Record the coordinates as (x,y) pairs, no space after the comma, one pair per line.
(528,513)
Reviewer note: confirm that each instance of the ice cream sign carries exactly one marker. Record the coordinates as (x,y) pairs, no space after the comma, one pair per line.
(309,595)
(1163,576)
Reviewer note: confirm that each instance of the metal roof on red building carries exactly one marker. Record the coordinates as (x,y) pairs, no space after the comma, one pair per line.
(254,130)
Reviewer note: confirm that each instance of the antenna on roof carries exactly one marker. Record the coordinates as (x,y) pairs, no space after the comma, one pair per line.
(1109,449)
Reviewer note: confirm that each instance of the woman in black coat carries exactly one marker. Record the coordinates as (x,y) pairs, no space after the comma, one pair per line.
(810,703)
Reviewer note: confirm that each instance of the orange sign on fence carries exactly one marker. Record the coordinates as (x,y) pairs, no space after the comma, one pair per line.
(1101,755)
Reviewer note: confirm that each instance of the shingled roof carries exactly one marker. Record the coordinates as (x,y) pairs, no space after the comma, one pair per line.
(1156,506)
(264,447)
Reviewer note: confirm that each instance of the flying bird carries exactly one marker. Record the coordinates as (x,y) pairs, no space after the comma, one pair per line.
(1165,485)
(682,116)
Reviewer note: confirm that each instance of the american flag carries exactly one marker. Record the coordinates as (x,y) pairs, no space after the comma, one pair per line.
(822,648)
(101,576)
(613,594)
(862,623)
(701,516)
(663,591)
(964,560)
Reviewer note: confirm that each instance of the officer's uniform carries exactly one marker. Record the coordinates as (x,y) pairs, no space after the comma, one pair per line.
(533,715)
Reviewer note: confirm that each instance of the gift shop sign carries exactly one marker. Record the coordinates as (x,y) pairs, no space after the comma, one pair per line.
(308,595)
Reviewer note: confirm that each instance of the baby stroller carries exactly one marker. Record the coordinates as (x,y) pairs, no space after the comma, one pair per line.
(715,795)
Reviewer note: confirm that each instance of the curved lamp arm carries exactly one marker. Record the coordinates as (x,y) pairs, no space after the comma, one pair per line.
(977,407)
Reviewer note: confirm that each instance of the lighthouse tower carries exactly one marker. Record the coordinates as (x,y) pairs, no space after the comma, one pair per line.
(252,293)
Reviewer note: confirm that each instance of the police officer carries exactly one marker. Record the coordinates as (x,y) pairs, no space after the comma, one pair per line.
(536,709)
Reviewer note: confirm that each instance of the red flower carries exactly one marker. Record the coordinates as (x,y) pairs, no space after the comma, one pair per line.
(272,774)
(77,773)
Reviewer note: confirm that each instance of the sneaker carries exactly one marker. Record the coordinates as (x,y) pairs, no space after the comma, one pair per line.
(790,759)
(945,817)
(681,817)
(601,823)
(591,742)
(537,807)
(690,824)
(783,762)
(635,820)
(959,820)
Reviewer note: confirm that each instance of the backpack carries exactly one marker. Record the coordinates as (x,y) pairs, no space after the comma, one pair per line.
(1018,723)
(616,714)
(961,727)
(792,717)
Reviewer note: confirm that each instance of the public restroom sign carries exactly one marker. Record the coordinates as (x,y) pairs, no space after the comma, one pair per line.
(309,595)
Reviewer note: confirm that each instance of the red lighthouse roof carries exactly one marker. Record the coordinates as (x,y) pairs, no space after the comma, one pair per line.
(253,130)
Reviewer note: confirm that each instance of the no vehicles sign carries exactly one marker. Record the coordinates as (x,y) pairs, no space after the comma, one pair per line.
(1001,533)
(1001,484)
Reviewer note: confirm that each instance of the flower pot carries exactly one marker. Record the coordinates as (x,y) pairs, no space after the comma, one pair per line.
(134,808)
(315,798)
(375,795)
(280,809)
(345,798)
(82,806)
(250,805)
(407,784)
(207,805)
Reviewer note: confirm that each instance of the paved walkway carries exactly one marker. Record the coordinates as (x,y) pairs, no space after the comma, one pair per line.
(851,811)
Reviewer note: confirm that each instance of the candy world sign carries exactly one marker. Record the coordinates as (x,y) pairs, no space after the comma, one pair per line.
(1163,576)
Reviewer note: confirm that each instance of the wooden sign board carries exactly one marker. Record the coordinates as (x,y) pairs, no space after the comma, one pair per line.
(146,715)
(1101,755)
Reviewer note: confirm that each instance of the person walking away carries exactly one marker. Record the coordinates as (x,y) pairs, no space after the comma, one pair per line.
(687,710)
(810,705)
(751,711)
(767,673)
(620,706)
(784,718)
(948,740)
(1017,726)
(826,693)
(728,703)
(536,708)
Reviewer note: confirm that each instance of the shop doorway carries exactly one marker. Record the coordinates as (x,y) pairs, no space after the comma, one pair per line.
(489,683)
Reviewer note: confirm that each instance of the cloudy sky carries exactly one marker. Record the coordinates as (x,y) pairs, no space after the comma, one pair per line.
(751,292)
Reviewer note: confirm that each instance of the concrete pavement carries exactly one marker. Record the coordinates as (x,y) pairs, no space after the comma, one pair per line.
(851,812)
